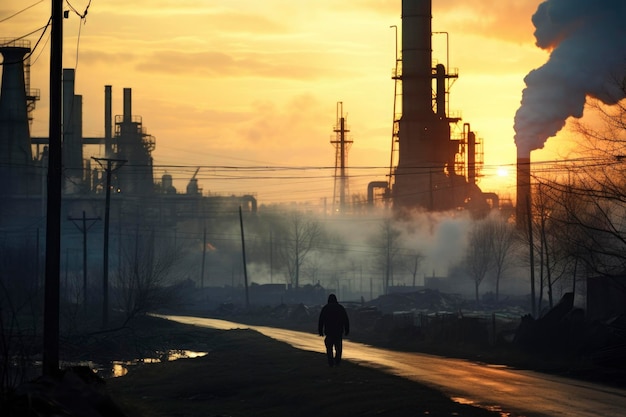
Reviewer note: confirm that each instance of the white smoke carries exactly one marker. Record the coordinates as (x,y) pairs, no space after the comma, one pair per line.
(587,39)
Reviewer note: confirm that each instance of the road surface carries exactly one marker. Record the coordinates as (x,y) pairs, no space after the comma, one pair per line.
(513,393)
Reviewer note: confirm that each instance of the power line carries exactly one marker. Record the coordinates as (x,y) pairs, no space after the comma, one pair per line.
(81,15)
(28,55)
(83,19)
(21,11)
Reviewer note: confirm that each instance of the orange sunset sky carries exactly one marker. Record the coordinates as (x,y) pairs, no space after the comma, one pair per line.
(248,83)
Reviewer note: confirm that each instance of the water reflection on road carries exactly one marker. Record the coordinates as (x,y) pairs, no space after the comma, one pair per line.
(513,393)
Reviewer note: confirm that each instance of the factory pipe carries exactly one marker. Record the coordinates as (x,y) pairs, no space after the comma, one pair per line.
(370,190)
(471,155)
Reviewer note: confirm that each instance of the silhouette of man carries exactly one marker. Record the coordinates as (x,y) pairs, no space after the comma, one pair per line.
(333,323)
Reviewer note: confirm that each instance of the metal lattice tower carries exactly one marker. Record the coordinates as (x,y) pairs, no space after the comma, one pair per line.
(342,145)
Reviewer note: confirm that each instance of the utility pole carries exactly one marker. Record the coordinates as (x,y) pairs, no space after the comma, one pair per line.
(532,256)
(243,250)
(84,230)
(53,213)
(203,258)
(105,270)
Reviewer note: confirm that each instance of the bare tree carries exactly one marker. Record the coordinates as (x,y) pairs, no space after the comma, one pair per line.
(299,237)
(479,259)
(146,269)
(589,206)
(387,247)
(503,244)
(412,263)
(584,231)
(311,269)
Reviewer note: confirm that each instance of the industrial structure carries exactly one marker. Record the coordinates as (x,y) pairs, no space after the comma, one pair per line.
(433,166)
(127,150)
(19,174)
(342,146)
(435,163)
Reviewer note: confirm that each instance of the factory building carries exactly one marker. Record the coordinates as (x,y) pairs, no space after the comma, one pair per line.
(127,150)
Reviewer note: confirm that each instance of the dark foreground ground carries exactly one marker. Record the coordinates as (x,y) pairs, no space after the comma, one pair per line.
(248,374)
(244,374)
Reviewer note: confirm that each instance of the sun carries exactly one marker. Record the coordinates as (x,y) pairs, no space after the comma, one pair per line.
(502,172)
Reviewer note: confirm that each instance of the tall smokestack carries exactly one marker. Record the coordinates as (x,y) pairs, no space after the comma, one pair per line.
(72,128)
(416,59)
(423,137)
(587,40)
(426,176)
(523,188)
(108,122)
(128,101)
(15,148)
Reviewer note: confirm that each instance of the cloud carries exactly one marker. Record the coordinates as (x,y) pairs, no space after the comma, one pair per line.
(228,65)
(507,20)
(289,127)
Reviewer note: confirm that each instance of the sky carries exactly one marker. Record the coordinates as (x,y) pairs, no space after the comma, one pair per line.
(254,86)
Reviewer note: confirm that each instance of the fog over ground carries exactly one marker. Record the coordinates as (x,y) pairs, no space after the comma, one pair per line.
(351,252)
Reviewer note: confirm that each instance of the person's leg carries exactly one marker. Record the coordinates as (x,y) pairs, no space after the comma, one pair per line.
(338,350)
(328,341)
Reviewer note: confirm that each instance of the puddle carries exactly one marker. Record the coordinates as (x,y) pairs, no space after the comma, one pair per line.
(112,369)
(121,368)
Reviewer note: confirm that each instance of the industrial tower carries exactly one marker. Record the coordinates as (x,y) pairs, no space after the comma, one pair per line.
(435,171)
(17,172)
(342,145)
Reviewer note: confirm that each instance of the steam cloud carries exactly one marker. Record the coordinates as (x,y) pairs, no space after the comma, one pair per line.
(587,40)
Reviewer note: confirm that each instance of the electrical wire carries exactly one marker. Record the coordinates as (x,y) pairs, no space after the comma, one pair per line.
(27,56)
(83,20)
(21,11)
(81,15)
(80,26)
(41,50)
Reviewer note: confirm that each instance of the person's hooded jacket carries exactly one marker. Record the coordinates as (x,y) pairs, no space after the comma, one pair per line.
(333,319)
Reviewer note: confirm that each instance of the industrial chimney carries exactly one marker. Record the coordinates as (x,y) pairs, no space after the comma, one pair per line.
(72,132)
(16,171)
(428,175)
(522,208)
(135,146)
(422,135)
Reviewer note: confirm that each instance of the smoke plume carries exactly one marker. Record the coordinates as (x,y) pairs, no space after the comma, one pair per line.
(587,40)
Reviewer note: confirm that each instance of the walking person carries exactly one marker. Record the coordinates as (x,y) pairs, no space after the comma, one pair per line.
(333,323)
